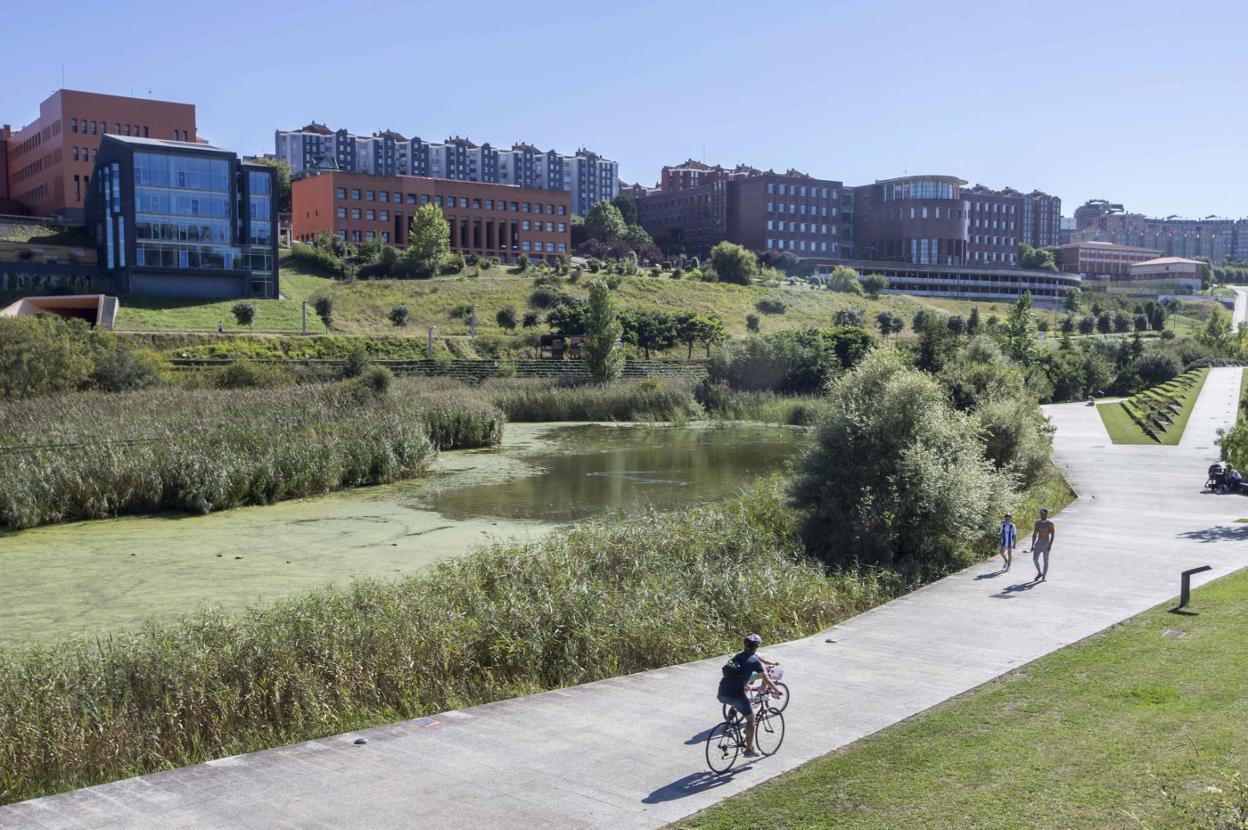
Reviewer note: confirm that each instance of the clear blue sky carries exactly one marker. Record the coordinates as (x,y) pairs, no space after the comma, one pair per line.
(1140,102)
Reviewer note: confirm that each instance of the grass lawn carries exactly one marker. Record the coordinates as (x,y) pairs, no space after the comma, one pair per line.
(1092,736)
(1124,430)
(172,313)
(363,307)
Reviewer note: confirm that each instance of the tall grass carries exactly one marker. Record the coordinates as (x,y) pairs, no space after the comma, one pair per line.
(642,400)
(89,456)
(595,601)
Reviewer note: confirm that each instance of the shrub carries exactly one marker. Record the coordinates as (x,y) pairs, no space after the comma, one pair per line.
(399,315)
(733,263)
(506,317)
(1157,367)
(462,311)
(376,379)
(522,263)
(545,296)
(246,374)
(771,306)
(875,285)
(244,313)
(356,361)
(324,307)
(896,477)
(318,258)
(531,319)
(120,369)
(790,362)
(751,323)
(43,355)
(452,263)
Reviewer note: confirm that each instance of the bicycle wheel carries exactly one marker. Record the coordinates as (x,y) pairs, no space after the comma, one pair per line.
(769,733)
(722,747)
(782,703)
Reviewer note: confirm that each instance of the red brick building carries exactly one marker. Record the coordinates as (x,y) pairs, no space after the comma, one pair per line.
(492,220)
(48,162)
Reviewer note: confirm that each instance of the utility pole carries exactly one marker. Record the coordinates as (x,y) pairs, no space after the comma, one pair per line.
(431,328)
(304,311)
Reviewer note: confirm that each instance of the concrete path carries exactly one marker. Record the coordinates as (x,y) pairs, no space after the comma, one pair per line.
(629,752)
(1241,305)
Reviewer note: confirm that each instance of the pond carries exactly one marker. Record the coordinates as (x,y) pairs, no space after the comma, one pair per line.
(100,576)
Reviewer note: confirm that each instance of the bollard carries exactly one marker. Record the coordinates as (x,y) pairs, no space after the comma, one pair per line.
(1185,587)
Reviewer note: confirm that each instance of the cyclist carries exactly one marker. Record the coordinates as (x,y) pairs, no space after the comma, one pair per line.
(736,673)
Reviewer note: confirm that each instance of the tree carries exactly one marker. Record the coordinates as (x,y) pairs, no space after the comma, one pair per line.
(636,238)
(920,320)
(1122,322)
(1020,331)
(43,355)
(603,356)
(506,317)
(751,323)
(694,328)
(1072,300)
(398,316)
(845,279)
(896,477)
(849,316)
(733,263)
(1216,333)
(650,330)
(1140,321)
(428,239)
(1068,324)
(956,325)
(531,319)
(244,313)
(1087,324)
(972,323)
(875,285)
(282,195)
(605,223)
(1036,258)
(1104,323)
(887,323)
(325,310)
(627,206)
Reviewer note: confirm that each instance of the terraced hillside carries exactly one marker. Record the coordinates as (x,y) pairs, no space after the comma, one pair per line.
(1157,415)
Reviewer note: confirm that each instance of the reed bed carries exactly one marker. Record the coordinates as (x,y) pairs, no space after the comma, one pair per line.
(93,455)
(595,601)
(643,400)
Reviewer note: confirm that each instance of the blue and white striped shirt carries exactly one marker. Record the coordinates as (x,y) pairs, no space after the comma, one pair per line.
(1008,531)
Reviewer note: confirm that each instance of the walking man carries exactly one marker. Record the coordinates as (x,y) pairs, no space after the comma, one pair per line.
(1042,536)
(1008,533)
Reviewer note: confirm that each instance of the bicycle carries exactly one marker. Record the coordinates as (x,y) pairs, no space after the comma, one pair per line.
(774,673)
(726,739)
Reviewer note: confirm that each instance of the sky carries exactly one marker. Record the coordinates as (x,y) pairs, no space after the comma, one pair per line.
(1138,102)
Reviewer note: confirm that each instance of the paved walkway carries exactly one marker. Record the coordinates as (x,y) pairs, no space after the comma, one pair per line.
(628,752)
(1241,305)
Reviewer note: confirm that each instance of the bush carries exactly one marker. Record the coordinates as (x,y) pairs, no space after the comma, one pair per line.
(120,369)
(896,477)
(733,263)
(244,313)
(771,306)
(324,307)
(356,361)
(751,323)
(790,362)
(1018,439)
(399,315)
(452,263)
(545,296)
(875,285)
(531,319)
(43,355)
(246,374)
(462,311)
(376,379)
(318,258)
(506,317)
(1157,367)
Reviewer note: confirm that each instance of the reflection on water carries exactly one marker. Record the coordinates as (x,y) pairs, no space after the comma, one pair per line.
(598,469)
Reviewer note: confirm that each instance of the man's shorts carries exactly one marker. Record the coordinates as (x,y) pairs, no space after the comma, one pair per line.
(1041,546)
(739,702)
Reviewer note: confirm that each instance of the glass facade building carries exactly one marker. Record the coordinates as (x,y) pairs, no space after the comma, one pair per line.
(182,219)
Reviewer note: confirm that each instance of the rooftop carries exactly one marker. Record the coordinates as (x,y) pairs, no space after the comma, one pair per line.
(165,143)
(1167,260)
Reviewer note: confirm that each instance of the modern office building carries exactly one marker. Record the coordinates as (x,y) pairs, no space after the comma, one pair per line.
(48,163)
(492,220)
(178,218)
(1002,220)
(917,219)
(1100,260)
(1214,238)
(587,176)
(770,211)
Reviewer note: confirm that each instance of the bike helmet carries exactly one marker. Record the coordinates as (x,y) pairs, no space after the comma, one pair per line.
(753,641)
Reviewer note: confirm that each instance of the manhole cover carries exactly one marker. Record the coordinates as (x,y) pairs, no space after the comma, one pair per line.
(1170,632)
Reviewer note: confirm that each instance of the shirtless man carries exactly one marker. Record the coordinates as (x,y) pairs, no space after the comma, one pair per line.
(1042,536)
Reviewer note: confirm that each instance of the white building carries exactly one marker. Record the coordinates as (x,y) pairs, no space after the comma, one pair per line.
(587,176)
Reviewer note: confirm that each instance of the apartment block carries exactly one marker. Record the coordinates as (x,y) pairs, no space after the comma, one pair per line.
(182,219)
(1214,238)
(49,162)
(492,220)
(587,176)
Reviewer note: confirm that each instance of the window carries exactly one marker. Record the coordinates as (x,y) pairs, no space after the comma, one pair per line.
(383,196)
(424,198)
(550,247)
(75,157)
(340,193)
(372,234)
(127,129)
(145,132)
(370,214)
(355,236)
(550,227)
(117,128)
(476,203)
(398,198)
(515,206)
(771,188)
(524,207)
(563,210)
(489,204)
(562,247)
(93,128)
(437,200)
(524,226)
(528,246)
(355,213)
(385,237)
(562,227)
(368,195)
(73,125)
(385,216)
(411,198)
(342,213)
(355,194)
